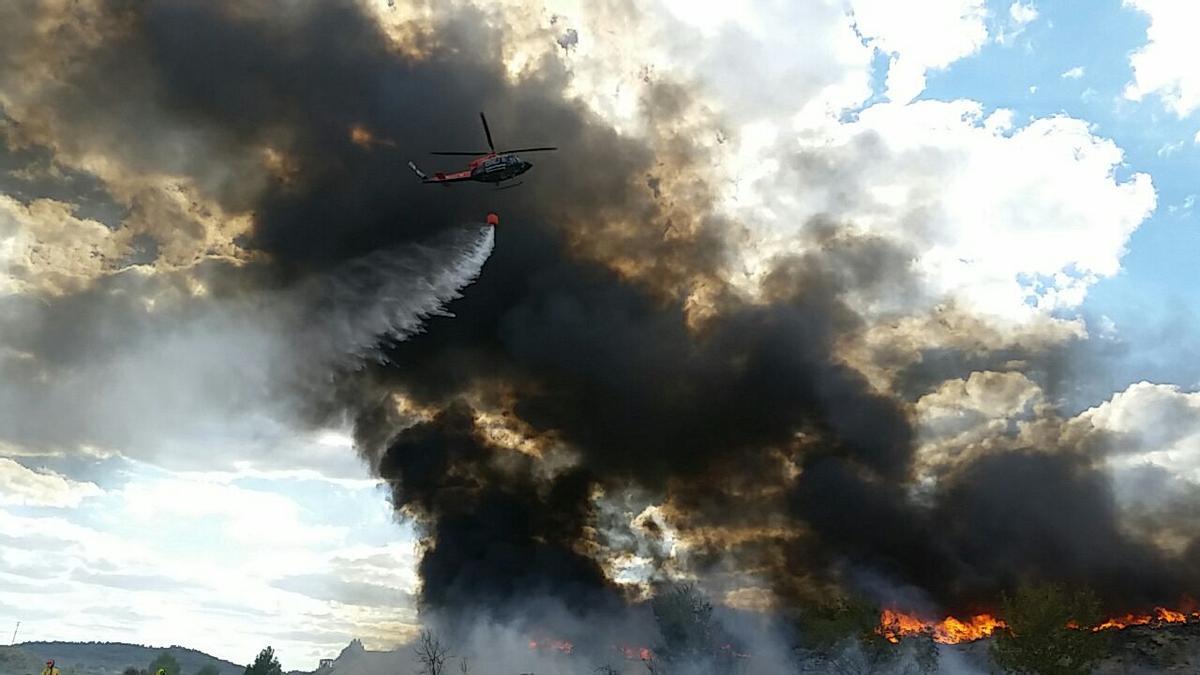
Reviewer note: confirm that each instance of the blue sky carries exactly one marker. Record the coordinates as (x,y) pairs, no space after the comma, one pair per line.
(1152,301)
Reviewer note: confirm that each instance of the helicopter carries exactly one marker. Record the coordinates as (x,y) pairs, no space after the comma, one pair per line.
(491,166)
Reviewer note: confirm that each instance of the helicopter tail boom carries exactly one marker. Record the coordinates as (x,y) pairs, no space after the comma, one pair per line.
(420,173)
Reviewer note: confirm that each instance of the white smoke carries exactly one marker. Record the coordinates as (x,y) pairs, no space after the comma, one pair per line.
(220,379)
(542,636)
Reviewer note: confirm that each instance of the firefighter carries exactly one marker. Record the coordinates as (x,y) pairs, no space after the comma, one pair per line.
(50,669)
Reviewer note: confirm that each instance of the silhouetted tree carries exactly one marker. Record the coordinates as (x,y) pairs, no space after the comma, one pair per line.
(432,653)
(844,637)
(690,636)
(684,619)
(1049,632)
(265,664)
(165,661)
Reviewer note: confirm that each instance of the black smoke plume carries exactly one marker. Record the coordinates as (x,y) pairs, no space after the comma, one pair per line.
(600,334)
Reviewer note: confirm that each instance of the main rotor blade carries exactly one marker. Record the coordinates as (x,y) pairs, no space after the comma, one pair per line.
(509,152)
(481,153)
(487,131)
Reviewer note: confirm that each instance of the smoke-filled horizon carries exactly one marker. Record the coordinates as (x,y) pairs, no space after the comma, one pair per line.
(787,390)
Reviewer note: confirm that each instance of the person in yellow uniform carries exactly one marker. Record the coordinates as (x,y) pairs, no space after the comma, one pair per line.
(50,669)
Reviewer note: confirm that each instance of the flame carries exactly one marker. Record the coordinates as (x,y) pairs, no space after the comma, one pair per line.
(732,651)
(1161,615)
(563,646)
(1169,616)
(952,631)
(637,653)
(894,625)
(360,136)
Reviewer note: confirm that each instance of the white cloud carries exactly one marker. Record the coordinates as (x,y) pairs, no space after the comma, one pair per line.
(1106,328)
(45,247)
(1154,422)
(1016,218)
(920,37)
(1169,149)
(990,394)
(1152,441)
(1020,15)
(1074,73)
(1023,13)
(183,559)
(247,517)
(21,486)
(1014,222)
(1165,65)
(963,417)
(801,58)
(962,411)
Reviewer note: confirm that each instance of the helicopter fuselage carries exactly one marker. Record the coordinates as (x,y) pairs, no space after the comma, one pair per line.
(498,168)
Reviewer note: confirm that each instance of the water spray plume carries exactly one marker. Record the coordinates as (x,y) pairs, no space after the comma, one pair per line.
(387,295)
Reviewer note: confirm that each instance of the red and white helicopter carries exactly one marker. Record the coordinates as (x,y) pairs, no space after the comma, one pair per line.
(487,167)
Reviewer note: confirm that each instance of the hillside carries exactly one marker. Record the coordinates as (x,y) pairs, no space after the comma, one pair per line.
(112,658)
(17,661)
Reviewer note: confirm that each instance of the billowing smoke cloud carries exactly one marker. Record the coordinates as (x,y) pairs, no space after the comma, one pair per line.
(603,394)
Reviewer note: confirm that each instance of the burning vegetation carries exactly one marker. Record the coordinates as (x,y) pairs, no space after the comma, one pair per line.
(895,625)
(1160,616)
(839,639)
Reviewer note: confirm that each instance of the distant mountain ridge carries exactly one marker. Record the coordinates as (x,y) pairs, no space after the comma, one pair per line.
(355,659)
(112,658)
